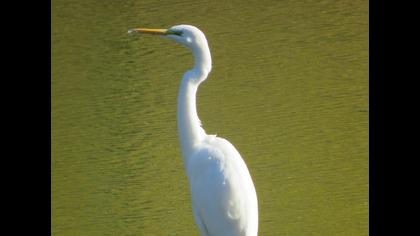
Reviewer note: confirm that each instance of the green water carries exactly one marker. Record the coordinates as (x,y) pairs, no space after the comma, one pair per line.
(289,88)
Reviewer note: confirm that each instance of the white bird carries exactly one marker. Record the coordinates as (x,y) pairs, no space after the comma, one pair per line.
(224,199)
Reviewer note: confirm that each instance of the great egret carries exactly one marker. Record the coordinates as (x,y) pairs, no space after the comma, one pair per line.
(224,200)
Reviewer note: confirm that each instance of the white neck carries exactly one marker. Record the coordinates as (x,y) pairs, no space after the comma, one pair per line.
(189,125)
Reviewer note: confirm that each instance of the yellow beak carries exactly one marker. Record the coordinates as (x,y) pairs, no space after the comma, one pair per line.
(149,31)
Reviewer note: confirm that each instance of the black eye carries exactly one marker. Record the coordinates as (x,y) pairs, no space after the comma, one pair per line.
(178,32)
(175,31)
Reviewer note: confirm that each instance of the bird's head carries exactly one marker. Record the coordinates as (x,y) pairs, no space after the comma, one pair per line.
(187,35)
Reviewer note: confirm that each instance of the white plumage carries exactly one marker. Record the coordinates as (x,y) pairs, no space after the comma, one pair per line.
(223,195)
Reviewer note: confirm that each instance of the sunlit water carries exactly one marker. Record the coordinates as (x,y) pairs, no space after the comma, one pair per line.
(289,88)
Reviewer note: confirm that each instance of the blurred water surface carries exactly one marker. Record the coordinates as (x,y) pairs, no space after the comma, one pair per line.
(289,88)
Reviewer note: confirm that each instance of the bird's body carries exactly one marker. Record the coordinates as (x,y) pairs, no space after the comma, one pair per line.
(223,195)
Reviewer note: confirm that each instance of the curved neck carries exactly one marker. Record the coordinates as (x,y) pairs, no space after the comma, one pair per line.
(202,61)
(189,125)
